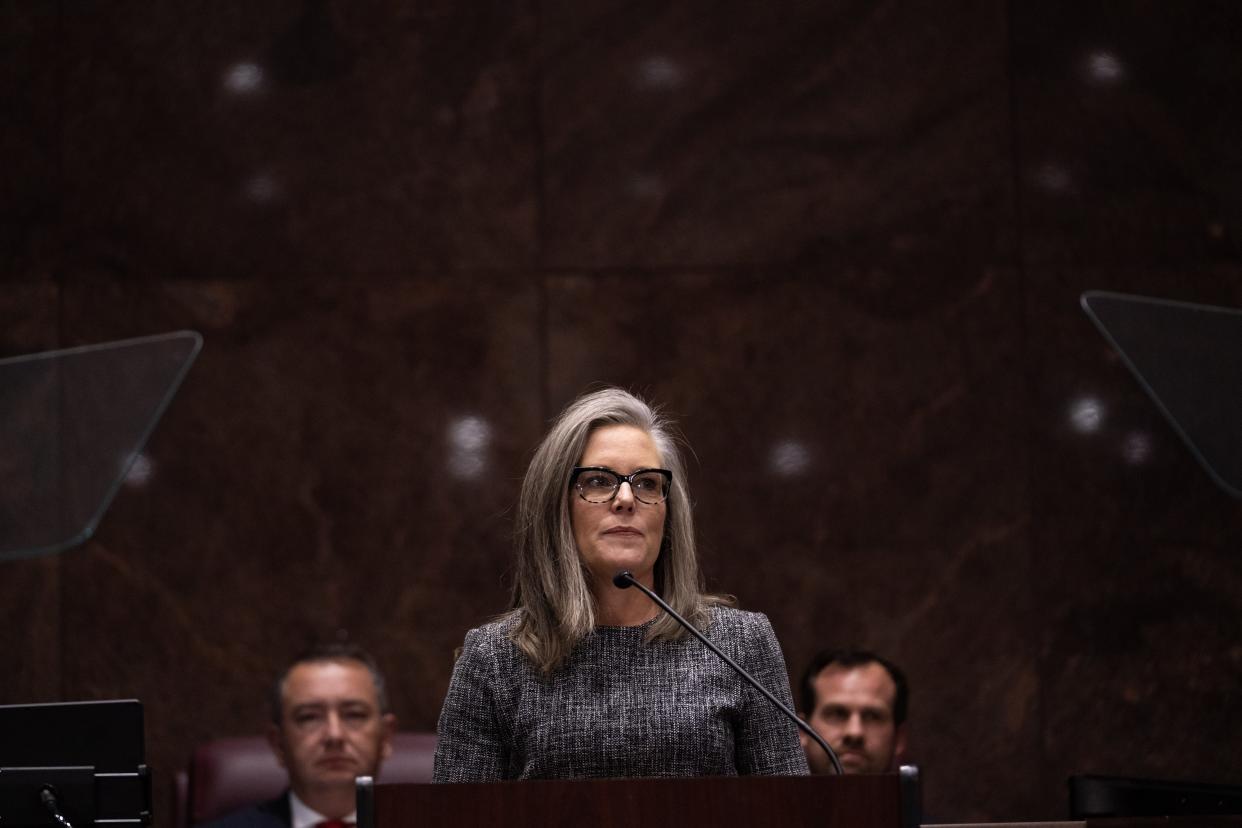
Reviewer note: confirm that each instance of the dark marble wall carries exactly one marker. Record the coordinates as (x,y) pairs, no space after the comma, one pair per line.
(857,233)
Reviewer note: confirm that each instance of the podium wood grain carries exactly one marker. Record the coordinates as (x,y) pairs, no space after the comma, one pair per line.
(847,801)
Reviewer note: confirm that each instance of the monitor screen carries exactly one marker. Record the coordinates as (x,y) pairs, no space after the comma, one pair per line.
(105,734)
(89,755)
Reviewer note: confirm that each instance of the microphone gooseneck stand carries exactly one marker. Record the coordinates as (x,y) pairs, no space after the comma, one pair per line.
(626,579)
(47,795)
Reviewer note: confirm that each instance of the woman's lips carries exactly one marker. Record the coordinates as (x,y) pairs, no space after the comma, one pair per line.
(622,530)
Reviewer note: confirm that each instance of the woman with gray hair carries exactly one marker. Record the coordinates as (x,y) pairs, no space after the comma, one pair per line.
(582,679)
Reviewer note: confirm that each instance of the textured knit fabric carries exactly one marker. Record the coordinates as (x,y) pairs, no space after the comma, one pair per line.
(619,707)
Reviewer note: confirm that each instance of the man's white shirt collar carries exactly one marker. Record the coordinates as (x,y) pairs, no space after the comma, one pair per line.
(304,816)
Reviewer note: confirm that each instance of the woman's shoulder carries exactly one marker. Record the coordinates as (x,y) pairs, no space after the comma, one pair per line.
(495,631)
(747,636)
(738,622)
(490,641)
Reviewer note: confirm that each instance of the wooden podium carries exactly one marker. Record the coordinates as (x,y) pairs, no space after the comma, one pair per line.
(873,801)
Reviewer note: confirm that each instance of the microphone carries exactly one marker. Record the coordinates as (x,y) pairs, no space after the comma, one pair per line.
(47,795)
(625,579)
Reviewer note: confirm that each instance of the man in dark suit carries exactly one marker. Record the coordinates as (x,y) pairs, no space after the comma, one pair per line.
(330,724)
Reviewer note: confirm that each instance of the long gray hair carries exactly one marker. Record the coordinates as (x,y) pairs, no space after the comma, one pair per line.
(551,594)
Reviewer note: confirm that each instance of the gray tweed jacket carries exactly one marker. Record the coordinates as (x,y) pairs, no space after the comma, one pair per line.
(619,707)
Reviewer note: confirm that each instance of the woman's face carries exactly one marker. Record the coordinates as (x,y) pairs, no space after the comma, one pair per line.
(623,533)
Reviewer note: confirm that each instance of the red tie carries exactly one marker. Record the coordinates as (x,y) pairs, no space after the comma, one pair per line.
(334,823)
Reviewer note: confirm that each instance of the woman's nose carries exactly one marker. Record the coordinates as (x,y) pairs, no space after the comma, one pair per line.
(625,497)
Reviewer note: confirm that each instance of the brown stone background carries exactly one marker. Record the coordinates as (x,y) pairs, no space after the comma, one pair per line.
(843,241)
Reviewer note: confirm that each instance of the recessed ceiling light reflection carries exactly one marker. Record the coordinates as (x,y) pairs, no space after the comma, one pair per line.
(1086,415)
(140,472)
(1054,178)
(644,186)
(261,188)
(789,459)
(244,78)
(1136,448)
(1105,68)
(468,439)
(660,72)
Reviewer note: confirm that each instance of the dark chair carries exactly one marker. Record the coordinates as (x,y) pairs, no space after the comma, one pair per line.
(227,774)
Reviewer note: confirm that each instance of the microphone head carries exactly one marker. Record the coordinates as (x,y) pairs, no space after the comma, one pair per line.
(623,579)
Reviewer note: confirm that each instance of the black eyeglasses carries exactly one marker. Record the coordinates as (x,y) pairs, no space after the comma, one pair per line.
(596,484)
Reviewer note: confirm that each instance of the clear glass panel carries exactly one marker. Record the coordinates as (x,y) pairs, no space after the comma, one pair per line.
(72,423)
(1189,359)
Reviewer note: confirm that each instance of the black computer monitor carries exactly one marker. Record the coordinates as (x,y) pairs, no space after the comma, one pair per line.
(89,755)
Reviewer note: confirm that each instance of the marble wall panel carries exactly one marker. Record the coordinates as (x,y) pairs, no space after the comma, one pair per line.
(799,398)
(29,138)
(312,138)
(724,133)
(1142,661)
(30,602)
(340,461)
(29,311)
(1126,126)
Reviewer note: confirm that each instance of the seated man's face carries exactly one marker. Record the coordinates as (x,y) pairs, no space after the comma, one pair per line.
(331,728)
(854,713)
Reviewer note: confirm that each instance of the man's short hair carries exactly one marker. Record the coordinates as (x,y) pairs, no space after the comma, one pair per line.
(855,658)
(332,651)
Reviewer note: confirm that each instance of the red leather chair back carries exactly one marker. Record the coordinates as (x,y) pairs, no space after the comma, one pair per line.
(227,774)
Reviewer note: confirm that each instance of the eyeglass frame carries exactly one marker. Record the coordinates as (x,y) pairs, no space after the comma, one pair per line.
(577,471)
